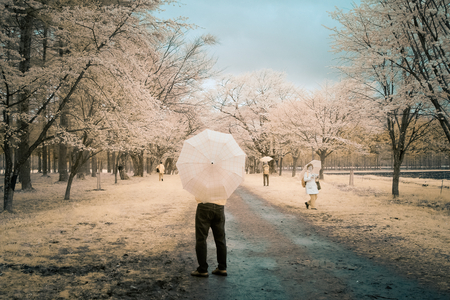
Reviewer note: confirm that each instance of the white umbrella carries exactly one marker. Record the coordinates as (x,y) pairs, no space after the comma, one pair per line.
(266,159)
(211,165)
(317,165)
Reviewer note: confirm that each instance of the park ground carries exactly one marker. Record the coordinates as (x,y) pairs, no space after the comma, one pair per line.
(135,240)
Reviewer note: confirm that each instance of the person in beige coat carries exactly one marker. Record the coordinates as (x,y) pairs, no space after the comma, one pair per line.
(160,170)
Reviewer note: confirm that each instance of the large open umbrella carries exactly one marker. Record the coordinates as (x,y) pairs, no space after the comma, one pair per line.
(211,165)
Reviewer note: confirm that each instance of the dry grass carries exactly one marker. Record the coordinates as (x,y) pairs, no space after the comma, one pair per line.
(95,230)
(142,217)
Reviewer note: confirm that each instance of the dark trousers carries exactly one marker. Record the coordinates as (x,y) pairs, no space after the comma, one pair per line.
(266,176)
(210,215)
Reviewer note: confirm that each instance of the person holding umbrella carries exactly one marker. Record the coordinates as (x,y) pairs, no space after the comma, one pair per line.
(211,166)
(265,160)
(311,186)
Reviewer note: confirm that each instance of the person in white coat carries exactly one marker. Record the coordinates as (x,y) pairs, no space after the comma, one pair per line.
(311,186)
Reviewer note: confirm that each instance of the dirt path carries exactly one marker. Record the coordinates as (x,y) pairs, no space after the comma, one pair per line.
(273,255)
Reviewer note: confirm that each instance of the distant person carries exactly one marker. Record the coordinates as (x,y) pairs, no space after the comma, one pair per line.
(160,170)
(210,215)
(266,169)
(311,186)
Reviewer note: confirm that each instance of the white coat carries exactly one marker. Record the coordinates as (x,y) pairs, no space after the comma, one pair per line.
(311,186)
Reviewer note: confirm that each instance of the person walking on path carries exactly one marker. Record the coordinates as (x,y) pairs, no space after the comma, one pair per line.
(266,174)
(160,170)
(210,215)
(311,186)
(211,166)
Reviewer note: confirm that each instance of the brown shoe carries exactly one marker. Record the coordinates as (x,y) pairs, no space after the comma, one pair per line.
(220,272)
(307,205)
(198,274)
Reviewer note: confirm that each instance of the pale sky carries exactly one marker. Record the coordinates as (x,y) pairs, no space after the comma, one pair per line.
(283,35)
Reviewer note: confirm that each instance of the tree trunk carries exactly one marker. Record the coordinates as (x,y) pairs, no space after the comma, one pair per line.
(122,158)
(323,155)
(398,160)
(113,159)
(398,146)
(80,164)
(395,181)
(152,163)
(141,164)
(79,159)
(62,161)
(55,159)
(294,165)
(24,172)
(44,161)
(26,29)
(94,166)
(69,186)
(108,162)
(138,164)
(39,154)
(169,165)
(115,166)
(49,160)
(86,166)
(281,165)
(10,178)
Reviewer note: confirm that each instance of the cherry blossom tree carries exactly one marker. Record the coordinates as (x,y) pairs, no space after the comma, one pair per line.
(245,102)
(170,130)
(322,120)
(281,128)
(175,73)
(106,115)
(413,36)
(374,54)
(34,74)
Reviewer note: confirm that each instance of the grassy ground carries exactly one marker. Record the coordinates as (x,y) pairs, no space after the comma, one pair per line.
(89,246)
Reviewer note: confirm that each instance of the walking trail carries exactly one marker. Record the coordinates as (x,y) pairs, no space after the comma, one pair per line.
(274,255)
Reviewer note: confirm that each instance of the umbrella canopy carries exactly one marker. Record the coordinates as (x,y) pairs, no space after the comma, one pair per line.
(211,165)
(266,159)
(317,165)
